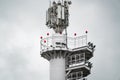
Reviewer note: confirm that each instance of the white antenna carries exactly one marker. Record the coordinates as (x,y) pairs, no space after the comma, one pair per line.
(62,1)
(49,3)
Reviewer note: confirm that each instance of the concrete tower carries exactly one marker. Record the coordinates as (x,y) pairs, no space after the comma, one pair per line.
(68,56)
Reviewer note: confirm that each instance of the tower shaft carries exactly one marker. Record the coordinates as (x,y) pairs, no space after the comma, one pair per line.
(56,59)
(57,69)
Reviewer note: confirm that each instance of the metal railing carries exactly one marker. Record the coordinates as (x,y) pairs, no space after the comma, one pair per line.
(49,43)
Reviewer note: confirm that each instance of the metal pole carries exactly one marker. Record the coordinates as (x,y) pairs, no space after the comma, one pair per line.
(66,38)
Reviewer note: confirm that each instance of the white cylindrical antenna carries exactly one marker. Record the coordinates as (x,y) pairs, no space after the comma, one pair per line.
(49,3)
(46,17)
(62,2)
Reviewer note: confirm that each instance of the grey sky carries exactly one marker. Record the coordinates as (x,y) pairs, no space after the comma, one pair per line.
(22,22)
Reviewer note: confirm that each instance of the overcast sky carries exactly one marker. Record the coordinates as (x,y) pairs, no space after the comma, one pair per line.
(22,22)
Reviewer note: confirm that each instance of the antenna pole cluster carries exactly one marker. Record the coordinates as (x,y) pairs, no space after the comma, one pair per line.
(57,15)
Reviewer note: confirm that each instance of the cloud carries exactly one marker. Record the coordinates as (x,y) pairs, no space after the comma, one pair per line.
(22,22)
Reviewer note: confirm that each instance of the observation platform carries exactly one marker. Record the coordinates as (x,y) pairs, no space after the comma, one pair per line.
(61,42)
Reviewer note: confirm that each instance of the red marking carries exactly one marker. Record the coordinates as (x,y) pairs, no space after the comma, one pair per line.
(41,37)
(47,34)
(75,34)
(44,41)
(86,31)
(60,32)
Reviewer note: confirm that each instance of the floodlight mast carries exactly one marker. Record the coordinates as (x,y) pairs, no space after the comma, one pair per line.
(68,56)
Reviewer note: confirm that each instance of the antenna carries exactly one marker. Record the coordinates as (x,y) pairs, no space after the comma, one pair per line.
(62,1)
(49,3)
(58,16)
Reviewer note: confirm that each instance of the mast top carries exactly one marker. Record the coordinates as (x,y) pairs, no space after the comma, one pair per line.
(57,15)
